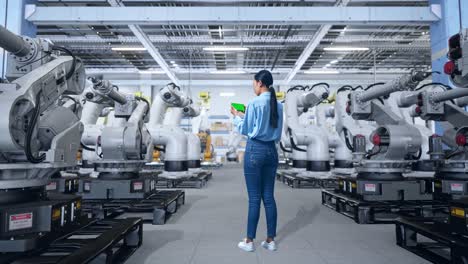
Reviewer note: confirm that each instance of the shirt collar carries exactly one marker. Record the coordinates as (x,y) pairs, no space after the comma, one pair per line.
(265,94)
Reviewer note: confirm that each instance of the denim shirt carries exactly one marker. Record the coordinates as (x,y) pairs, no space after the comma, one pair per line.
(256,121)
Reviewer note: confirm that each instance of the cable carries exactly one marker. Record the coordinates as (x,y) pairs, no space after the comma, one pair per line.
(163,149)
(73,67)
(296,88)
(457,151)
(343,88)
(174,86)
(419,154)
(75,105)
(147,103)
(283,148)
(369,155)
(86,147)
(372,85)
(36,112)
(348,143)
(318,84)
(357,87)
(31,62)
(433,83)
(293,144)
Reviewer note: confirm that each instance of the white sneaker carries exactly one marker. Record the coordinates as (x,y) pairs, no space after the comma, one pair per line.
(269,246)
(249,247)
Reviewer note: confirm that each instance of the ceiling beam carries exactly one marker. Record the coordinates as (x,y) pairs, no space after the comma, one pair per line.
(152,50)
(41,15)
(311,46)
(251,39)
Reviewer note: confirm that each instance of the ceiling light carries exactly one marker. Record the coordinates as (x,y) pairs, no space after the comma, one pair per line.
(172,62)
(228,72)
(151,72)
(328,65)
(128,48)
(345,49)
(321,72)
(333,61)
(227,94)
(225,48)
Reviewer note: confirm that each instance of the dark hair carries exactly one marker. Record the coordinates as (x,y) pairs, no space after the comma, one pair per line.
(267,79)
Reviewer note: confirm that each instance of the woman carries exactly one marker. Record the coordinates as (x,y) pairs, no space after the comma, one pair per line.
(262,124)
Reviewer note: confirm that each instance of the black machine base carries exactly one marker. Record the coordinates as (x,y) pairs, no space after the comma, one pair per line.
(69,185)
(198,180)
(155,209)
(379,212)
(446,189)
(432,240)
(23,226)
(110,241)
(138,188)
(396,190)
(295,181)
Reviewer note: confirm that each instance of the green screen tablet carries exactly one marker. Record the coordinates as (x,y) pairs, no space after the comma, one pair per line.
(238,107)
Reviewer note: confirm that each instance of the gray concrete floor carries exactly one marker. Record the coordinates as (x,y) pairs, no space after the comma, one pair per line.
(211,223)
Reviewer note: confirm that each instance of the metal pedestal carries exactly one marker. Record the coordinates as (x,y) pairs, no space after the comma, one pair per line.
(198,180)
(293,180)
(138,188)
(450,189)
(432,240)
(64,185)
(155,208)
(373,190)
(379,212)
(24,226)
(109,241)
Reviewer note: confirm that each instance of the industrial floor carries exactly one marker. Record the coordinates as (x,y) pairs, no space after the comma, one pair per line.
(208,227)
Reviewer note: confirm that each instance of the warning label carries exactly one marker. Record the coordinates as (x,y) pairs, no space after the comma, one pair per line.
(20,221)
(87,187)
(456,187)
(137,186)
(51,186)
(369,187)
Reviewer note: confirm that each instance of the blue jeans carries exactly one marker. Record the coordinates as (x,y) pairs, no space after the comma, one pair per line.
(260,164)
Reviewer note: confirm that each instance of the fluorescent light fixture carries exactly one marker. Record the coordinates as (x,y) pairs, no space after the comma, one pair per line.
(128,48)
(228,72)
(333,61)
(345,49)
(221,48)
(321,72)
(227,94)
(328,65)
(152,72)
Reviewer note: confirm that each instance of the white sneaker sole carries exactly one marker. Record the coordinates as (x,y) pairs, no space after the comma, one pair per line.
(246,249)
(268,248)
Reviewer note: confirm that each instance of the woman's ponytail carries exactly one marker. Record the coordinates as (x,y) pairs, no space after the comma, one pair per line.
(267,80)
(273,108)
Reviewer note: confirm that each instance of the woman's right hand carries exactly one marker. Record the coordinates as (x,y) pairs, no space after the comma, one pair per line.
(234,111)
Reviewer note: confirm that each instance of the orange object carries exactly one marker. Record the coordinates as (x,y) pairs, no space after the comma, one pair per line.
(156,155)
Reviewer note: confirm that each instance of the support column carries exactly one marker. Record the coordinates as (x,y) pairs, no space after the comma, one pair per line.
(12,17)
(453,13)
